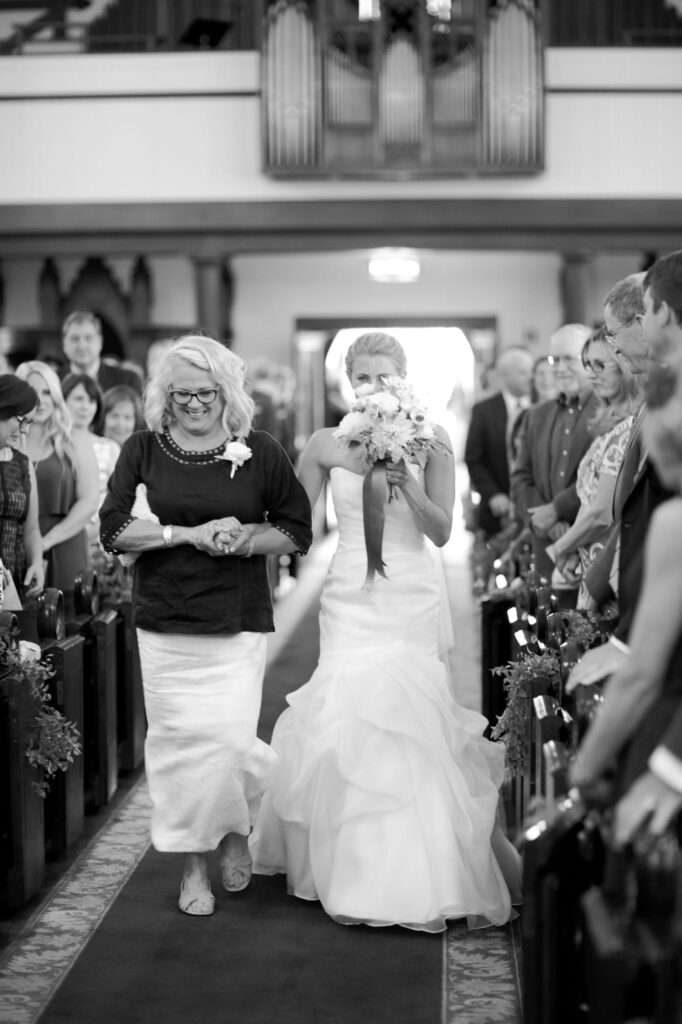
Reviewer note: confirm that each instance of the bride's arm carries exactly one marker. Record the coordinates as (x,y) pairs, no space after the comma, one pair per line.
(432,503)
(312,466)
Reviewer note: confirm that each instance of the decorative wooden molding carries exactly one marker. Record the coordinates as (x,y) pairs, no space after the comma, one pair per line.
(571,225)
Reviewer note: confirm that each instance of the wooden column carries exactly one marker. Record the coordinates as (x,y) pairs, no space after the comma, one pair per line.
(210,281)
(576,285)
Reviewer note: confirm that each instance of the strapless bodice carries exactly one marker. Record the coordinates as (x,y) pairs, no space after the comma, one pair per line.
(404,606)
(401,532)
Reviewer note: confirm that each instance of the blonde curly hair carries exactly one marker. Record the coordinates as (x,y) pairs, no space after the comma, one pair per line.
(228,372)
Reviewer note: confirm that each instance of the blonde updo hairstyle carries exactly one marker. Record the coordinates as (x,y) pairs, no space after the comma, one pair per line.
(377,343)
(226,369)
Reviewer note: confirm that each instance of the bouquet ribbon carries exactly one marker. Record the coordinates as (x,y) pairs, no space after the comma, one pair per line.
(374,497)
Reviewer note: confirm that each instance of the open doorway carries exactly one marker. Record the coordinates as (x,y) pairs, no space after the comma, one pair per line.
(446,364)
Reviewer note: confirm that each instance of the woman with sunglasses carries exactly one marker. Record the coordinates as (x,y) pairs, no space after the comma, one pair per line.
(219,498)
(619,393)
(21,549)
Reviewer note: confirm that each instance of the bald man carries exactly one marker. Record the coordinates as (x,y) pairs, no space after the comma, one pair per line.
(553,439)
(487,447)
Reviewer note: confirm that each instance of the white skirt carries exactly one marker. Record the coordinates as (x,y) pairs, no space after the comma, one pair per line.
(205,766)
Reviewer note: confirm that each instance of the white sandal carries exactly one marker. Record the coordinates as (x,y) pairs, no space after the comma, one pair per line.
(200,904)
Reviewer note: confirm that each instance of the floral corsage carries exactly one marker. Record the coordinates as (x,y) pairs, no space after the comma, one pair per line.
(237,453)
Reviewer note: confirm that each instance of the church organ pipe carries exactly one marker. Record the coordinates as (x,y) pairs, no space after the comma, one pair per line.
(291,86)
(511,68)
(401,95)
(349,91)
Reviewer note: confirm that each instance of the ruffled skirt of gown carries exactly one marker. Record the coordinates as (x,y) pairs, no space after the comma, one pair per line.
(384,802)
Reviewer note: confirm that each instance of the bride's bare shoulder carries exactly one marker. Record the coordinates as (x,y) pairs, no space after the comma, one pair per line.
(322,443)
(325,449)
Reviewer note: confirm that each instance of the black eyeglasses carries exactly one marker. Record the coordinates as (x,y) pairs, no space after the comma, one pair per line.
(206,396)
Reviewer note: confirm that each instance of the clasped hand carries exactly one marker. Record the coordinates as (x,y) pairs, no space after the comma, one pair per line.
(220,537)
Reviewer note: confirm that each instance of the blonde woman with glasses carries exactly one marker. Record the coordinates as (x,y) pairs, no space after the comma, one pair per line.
(67,477)
(619,394)
(219,497)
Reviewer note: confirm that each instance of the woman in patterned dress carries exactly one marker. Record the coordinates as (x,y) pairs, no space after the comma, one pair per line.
(20,542)
(620,396)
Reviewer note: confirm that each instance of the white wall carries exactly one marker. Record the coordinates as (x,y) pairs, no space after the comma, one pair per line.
(162,127)
(519,289)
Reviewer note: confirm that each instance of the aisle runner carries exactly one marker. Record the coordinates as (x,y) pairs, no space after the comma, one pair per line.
(35,964)
(263,957)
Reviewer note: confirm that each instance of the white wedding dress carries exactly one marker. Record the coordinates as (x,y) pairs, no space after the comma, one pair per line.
(385,794)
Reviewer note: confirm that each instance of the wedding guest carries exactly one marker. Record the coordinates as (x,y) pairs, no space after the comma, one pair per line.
(121,413)
(67,478)
(617,570)
(662,315)
(222,496)
(644,694)
(21,549)
(619,393)
(82,344)
(84,401)
(488,445)
(543,385)
(552,442)
(384,802)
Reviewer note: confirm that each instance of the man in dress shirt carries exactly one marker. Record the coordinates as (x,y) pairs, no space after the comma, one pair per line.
(553,440)
(82,344)
(487,451)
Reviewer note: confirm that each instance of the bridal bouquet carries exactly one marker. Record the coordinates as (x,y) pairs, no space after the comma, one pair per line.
(384,426)
(388,425)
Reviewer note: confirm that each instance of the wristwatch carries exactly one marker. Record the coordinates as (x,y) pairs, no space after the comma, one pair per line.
(168,535)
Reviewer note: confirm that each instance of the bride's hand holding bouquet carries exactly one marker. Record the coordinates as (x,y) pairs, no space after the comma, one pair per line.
(386,428)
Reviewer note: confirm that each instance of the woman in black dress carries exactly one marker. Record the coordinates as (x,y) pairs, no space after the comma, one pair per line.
(223,497)
(21,549)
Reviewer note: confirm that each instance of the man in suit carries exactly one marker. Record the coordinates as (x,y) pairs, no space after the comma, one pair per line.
(488,441)
(82,344)
(638,493)
(553,440)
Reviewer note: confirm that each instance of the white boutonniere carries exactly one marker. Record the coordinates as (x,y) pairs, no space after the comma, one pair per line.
(237,453)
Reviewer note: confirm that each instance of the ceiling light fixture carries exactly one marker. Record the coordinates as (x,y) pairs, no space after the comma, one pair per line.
(394,266)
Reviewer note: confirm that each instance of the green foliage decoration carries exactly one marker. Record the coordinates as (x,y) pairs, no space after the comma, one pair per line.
(513,725)
(54,742)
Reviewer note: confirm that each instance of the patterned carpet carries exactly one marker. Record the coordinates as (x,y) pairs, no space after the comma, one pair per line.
(480,969)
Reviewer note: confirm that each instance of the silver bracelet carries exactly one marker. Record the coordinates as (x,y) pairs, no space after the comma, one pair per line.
(168,535)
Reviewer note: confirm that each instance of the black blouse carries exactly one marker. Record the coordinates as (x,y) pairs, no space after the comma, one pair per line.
(181,589)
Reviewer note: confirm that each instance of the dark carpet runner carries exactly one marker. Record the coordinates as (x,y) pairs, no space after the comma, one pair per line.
(268,958)
(263,958)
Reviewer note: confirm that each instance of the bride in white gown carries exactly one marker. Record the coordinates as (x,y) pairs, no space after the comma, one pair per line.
(385,796)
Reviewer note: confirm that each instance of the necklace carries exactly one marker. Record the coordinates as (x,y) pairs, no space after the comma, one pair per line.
(196,451)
